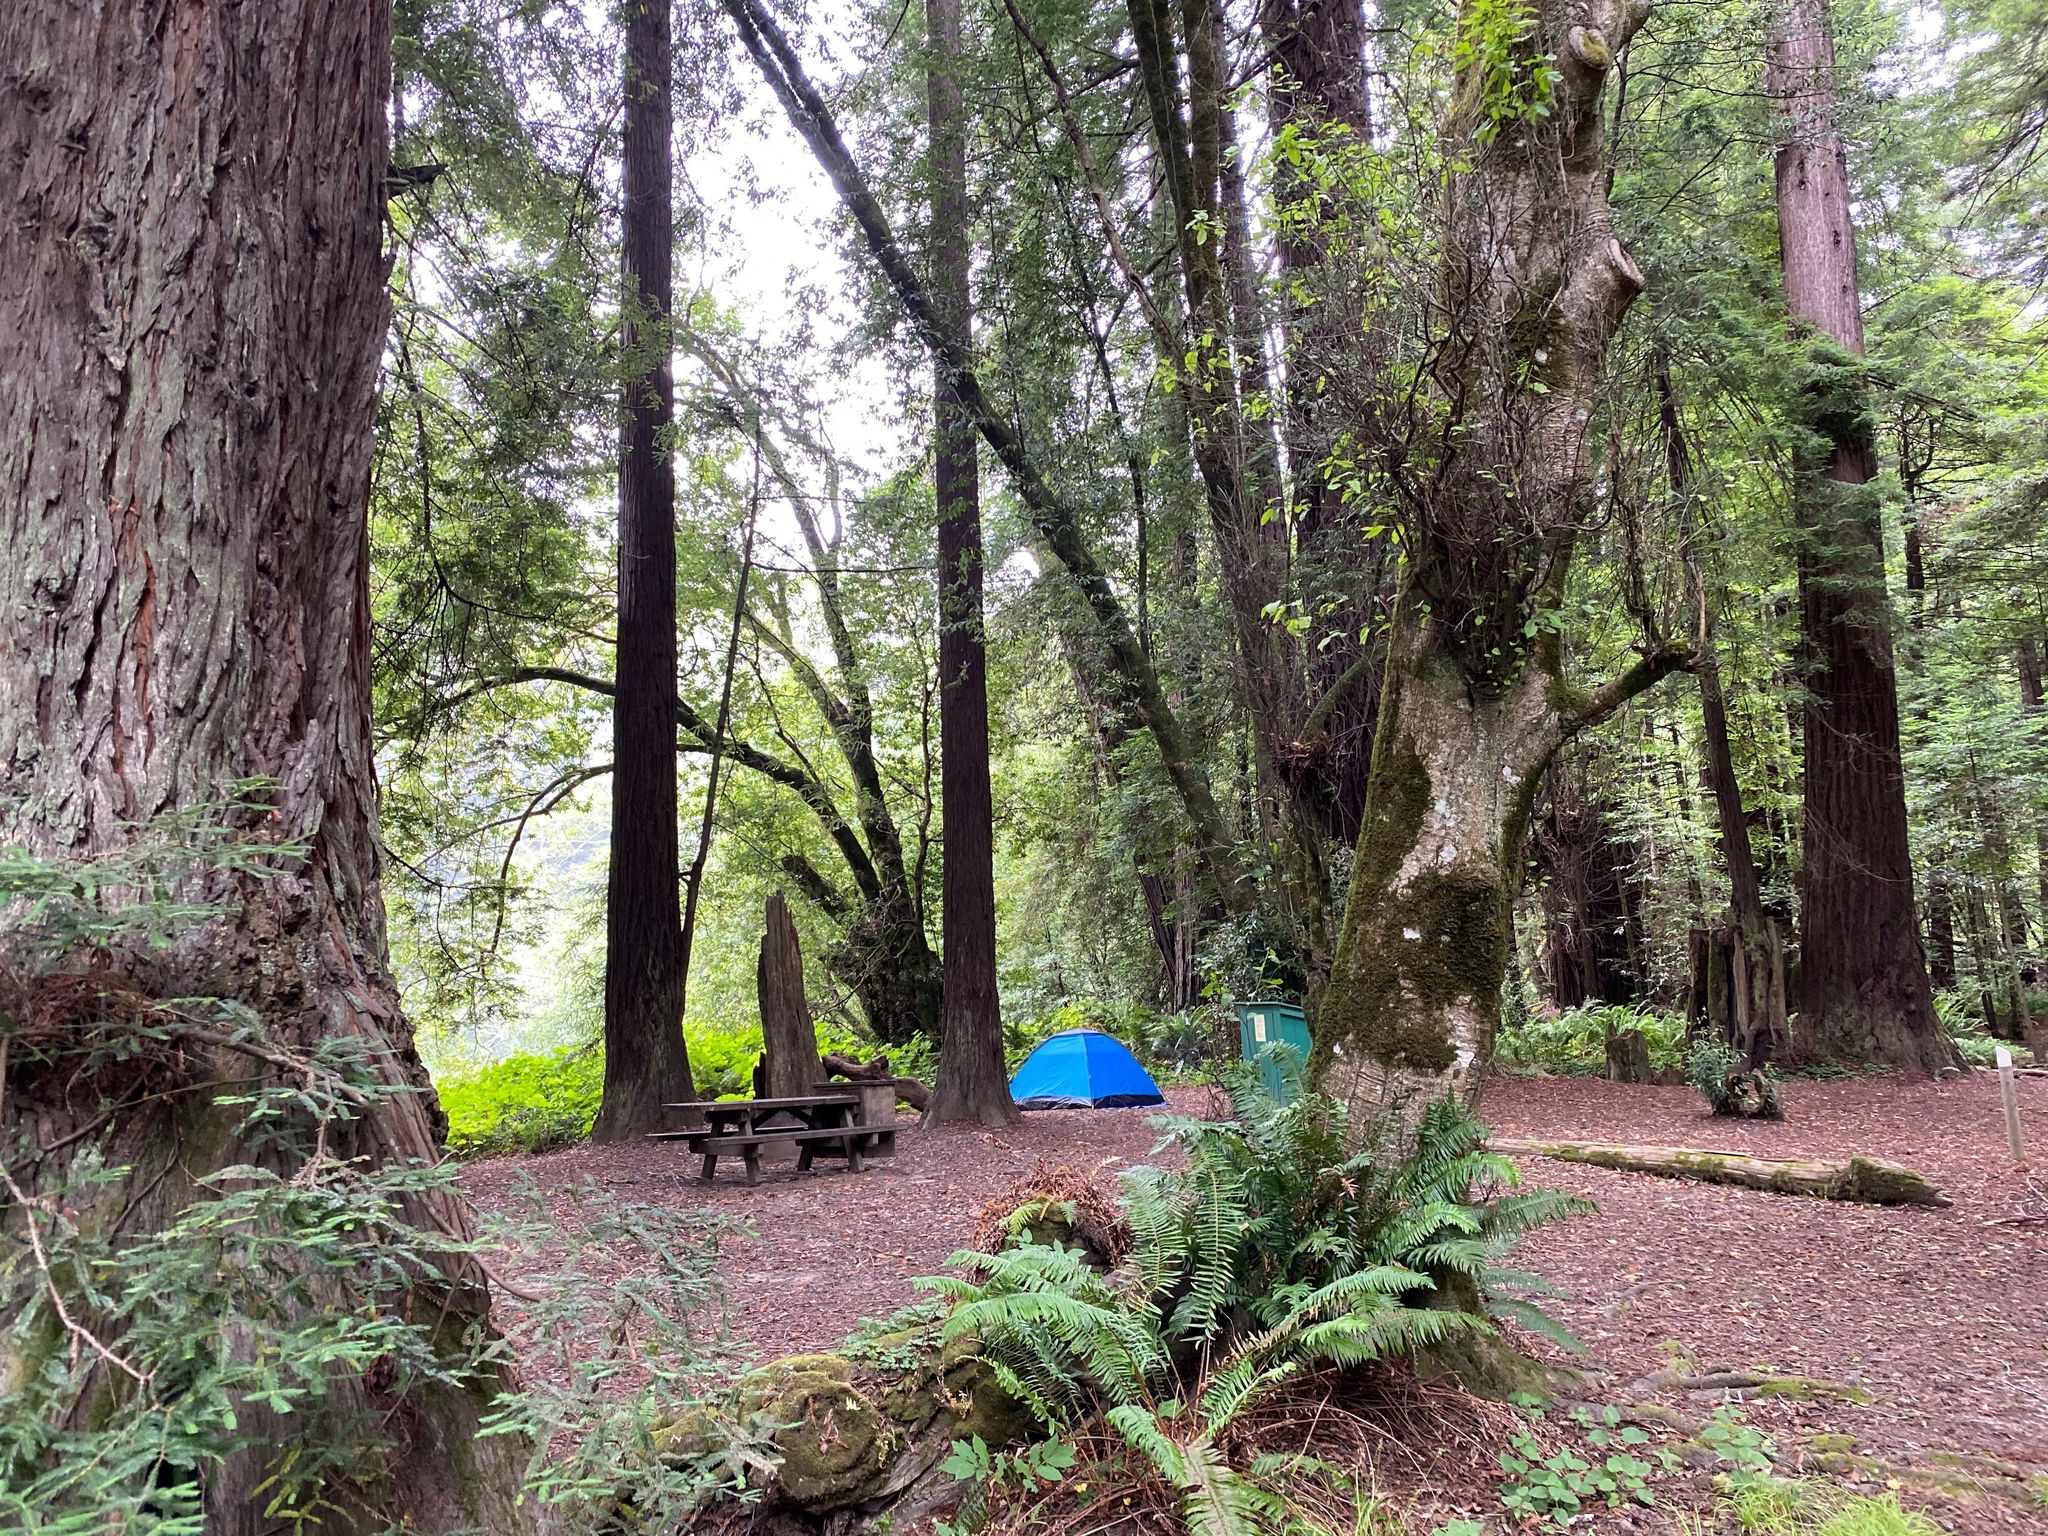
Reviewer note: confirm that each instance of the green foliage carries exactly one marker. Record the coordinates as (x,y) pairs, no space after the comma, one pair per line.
(1964,1026)
(1738,1445)
(628,1293)
(900,1340)
(987,1471)
(293,1308)
(1274,1250)
(1767,1506)
(1712,1069)
(1508,80)
(1574,1043)
(1556,1485)
(525,1103)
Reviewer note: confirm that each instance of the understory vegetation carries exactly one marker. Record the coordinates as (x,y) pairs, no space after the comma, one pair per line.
(1279,1248)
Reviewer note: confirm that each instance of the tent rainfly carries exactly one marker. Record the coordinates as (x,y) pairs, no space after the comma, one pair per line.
(1083,1069)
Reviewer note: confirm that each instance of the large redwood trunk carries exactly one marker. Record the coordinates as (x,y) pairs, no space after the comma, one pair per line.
(1863,985)
(646,1063)
(187,378)
(973,1084)
(1475,703)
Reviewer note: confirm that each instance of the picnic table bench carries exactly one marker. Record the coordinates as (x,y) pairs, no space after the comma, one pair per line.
(844,1120)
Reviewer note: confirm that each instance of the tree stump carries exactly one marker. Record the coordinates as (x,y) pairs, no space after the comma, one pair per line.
(789,1038)
(1628,1056)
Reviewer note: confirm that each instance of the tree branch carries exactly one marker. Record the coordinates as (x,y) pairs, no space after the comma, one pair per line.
(1641,675)
(705,738)
(1055,522)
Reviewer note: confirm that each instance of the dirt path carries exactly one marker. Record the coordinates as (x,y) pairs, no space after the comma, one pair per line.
(1939,1318)
(831,1249)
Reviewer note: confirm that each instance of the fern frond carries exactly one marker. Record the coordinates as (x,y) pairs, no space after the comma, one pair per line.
(1142,1430)
(1514,1309)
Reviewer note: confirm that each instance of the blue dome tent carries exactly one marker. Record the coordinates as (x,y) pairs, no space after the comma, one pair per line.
(1083,1069)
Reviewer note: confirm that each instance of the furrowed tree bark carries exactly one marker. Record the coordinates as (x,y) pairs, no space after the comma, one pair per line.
(646,1063)
(972,1082)
(1533,284)
(1053,519)
(1864,994)
(188,379)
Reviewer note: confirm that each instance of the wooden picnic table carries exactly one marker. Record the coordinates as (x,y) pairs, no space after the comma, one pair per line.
(831,1122)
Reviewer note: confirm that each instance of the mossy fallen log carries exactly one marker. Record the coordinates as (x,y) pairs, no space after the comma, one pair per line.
(1869,1180)
(844,1443)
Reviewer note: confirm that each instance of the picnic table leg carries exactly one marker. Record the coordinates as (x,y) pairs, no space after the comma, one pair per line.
(805,1154)
(753,1156)
(710,1168)
(853,1163)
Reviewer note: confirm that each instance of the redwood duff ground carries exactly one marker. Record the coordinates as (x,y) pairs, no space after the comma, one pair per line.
(1941,1317)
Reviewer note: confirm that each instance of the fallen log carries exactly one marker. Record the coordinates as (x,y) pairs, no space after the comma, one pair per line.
(1869,1180)
(908,1089)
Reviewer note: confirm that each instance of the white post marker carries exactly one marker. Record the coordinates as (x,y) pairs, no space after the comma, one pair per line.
(2008,1090)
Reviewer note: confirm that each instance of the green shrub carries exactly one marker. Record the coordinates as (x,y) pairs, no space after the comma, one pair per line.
(722,1058)
(1964,1027)
(1275,1249)
(1574,1044)
(1712,1069)
(525,1103)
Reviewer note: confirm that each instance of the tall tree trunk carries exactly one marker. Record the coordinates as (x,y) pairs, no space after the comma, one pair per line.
(973,1084)
(1319,88)
(188,380)
(1533,285)
(2029,661)
(1587,896)
(646,1063)
(1863,985)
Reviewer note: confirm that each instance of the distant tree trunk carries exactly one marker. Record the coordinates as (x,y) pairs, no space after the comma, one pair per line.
(1055,522)
(1745,993)
(1586,899)
(2029,660)
(194,242)
(1319,88)
(1864,994)
(646,1063)
(973,1084)
(1533,284)
(789,1036)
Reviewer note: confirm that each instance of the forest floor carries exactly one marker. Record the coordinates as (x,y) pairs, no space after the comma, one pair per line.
(1918,1338)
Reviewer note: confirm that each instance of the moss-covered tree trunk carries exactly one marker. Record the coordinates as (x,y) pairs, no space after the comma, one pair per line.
(194,237)
(1533,284)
